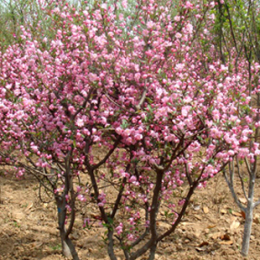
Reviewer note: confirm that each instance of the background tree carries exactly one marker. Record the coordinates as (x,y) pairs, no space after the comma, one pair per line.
(237,28)
(23,13)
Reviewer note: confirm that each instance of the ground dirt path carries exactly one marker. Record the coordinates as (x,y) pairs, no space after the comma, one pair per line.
(211,229)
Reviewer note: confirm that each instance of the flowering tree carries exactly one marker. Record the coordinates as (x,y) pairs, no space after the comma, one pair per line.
(134,102)
(237,39)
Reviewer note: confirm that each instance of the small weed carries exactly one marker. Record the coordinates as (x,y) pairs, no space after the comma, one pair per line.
(24,205)
(56,247)
(16,224)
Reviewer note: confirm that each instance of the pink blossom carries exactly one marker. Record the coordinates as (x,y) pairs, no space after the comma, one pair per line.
(119,130)
(133,180)
(179,66)
(81,198)
(187,99)
(189,28)
(188,4)
(138,137)
(92,77)
(212,16)
(104,6)
(212,4)
(137,77)
(34,148)
(243,152)
(150,24)
(20,172)
(130,237)
(124,174)
(177,18)
(132,221)
(181,202)
(185,110)
(119,228)
(231,153)
(80,122)
(216,114)
(124,4)
(178,35)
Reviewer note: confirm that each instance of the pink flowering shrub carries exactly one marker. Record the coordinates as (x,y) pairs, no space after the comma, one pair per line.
(132,102)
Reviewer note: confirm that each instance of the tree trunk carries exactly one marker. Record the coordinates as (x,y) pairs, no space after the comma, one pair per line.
(249,215)
(68,249)
(110,250)
(152,252)
(247,228)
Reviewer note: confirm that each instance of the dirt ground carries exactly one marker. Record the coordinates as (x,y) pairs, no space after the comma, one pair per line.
(211,229)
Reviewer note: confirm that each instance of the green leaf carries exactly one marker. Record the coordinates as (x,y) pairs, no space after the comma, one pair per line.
(124,124)
(211,161)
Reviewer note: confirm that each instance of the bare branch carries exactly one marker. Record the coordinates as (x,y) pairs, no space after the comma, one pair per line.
(256,203)
(143,97)
(108,154)
(232,190)
(241,179)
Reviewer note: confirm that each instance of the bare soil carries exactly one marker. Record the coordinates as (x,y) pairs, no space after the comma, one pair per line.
(212,228)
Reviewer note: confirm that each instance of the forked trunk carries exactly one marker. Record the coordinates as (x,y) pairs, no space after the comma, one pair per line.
(68,249)
(249,215)
(247,228)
